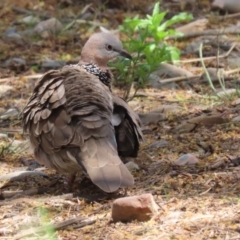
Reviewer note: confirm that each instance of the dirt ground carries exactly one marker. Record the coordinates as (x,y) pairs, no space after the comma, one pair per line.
(196,201)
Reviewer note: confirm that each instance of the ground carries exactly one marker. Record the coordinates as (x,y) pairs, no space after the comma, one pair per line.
(196,201)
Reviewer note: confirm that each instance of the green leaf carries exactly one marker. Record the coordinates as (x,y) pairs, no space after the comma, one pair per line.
(157,19)
(178,18)
(156,9)
(149,17)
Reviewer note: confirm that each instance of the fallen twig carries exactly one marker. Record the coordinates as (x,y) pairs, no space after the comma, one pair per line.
(12,131)
(203,193)
(21,174)
(31,201)
(28,12)
(98,24)
(176,79)
(15,78)
(55,226)
(185,78)
(30,192)
(228,16)
(236,70)
(83,224)
(208,58)
(229,30)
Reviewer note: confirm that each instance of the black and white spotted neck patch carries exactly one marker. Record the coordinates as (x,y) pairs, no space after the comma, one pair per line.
(104,77)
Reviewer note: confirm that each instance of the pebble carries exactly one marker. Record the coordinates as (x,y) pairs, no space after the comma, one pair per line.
(236,119)
(186,159)
(14,38)
(167,70)
(15,63)
(30,20)
(151,117)
(48,27)
(50,64)
(159,144)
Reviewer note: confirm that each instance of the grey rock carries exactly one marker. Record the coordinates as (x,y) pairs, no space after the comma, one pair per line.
(48,27)
(154,82)
(10,30)
(159,144)
(167,71)
(186,159)
(15,63)
(30,20)
(193,47)
(233,62)
(151,117)
(236,119)
(198,25)
(50,64)
(206,120)
(27,32)
(214,74)
(167,109)
(14,38)
(33,166)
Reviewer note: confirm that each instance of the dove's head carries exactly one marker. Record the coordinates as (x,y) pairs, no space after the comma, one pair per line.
(101,48)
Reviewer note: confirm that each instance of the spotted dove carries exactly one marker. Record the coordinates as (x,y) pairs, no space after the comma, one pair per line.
(75,122)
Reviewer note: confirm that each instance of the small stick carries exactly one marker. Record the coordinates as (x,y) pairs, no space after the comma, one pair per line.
(83,224)
(177,79)
(236,70)
(30,192)
(183,78)
(13,176)
(28,12)
(55,226)
(14,78)
(31,201)
(228,16)
(208,58)
(98,24)
(229,30)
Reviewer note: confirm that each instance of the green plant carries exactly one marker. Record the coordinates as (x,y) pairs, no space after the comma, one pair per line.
(48,228)
(145,41)
(224,94)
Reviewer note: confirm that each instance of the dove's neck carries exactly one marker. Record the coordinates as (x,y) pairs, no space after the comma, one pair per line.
(104,77)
